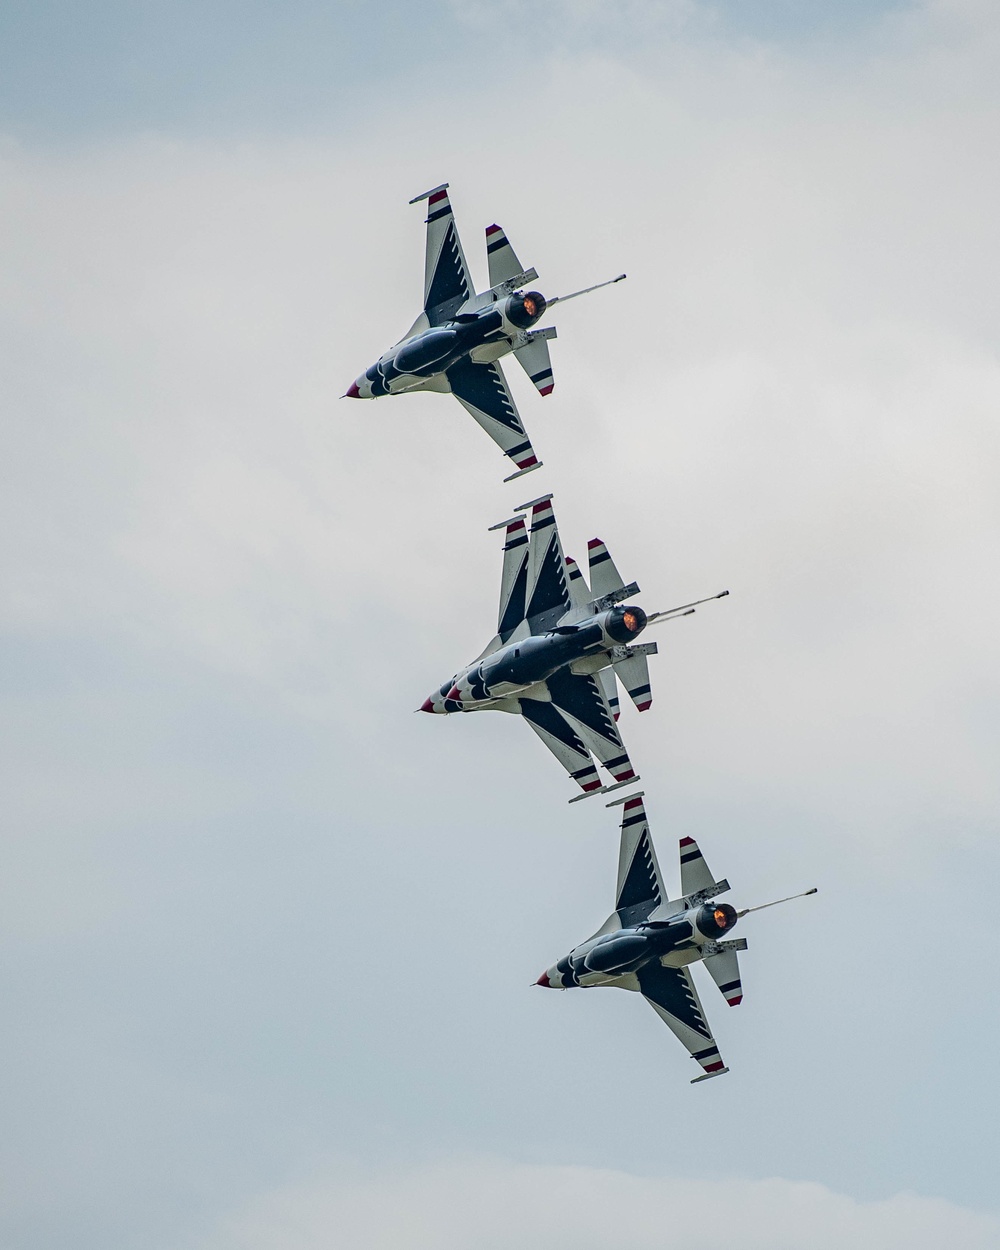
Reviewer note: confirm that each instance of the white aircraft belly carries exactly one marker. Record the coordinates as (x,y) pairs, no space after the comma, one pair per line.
(486,353)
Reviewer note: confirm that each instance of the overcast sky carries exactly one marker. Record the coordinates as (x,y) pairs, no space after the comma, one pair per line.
(269,938)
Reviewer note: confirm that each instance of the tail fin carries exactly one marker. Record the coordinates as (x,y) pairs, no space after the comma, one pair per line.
(533,357)
(725,970)
(502,259)
(604,577)
(633,673)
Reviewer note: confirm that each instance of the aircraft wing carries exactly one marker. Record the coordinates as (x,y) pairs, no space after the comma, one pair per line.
(640,886)
(513,579)
(538,585)
(576,724)
(482,391)
(446,275)
(548,596)
(672,995)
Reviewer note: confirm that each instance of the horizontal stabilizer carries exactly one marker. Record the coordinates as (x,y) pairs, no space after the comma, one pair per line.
(633,673)
(604,577)
(725,971)
(533,357)
(501,257)
(695,873)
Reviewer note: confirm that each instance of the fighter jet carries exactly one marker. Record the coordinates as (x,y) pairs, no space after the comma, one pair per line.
(649,942)
(560,649)
(456,342)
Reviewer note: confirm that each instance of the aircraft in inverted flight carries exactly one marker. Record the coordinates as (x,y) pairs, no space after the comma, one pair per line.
(456,342)
(560,649)
(649,942)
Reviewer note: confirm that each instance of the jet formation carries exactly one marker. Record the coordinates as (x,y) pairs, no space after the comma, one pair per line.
(564,642)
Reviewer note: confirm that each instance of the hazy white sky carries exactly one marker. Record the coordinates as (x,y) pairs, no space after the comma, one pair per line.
(268,936)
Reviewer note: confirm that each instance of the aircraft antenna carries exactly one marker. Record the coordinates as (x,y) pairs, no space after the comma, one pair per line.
(747,910)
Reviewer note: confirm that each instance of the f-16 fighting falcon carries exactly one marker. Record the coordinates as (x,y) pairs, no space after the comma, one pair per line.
(649,941)
(456,342)
(560,649)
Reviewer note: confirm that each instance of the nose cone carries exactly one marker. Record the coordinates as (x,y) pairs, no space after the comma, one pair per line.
(427,705)
(544,980)
(454,693)
(352,392)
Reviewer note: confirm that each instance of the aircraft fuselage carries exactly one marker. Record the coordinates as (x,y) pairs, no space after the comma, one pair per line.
(482,334)
(677,941)
(517,667)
